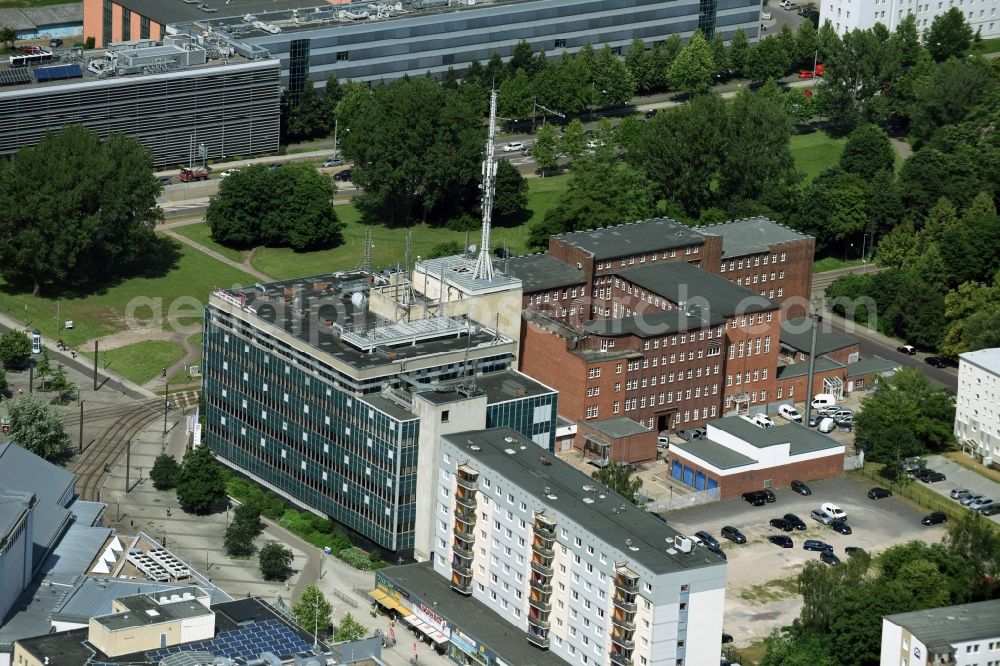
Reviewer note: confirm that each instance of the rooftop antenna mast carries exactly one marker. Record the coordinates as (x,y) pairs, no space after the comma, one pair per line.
(366,263)
(484,265)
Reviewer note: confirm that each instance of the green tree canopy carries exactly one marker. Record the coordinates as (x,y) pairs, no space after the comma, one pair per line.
(859,69)
(573,143)
(693,68)
(834,208)
(619,479)
(308,116)
(546,147)
(868,152)
(313,612)
(739,50)
(77,209)
(947,93)
(275,561)
(165,471)
(15,348)
(614,85)
(767,60)
(201,487)
(37,428)
(510,203)
(349,629)
(949,35)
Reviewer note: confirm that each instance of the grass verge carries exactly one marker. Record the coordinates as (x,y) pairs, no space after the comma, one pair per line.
(201,234)
(963,460)
(142,361)
(833,263)
(772,590)
(815,152)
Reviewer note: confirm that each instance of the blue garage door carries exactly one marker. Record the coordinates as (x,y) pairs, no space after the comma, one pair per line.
(675,470)
(688,475)
(699,481)
(712,483)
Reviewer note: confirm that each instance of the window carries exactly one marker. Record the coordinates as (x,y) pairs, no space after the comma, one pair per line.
(444,415)
(560,44)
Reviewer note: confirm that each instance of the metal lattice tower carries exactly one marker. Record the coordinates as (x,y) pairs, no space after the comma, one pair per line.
(484,264)
(366,263)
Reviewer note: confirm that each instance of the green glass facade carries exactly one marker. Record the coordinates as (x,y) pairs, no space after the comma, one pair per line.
(533,417)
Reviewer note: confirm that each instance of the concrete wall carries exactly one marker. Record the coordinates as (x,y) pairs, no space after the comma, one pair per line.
(133,639)
(15,562)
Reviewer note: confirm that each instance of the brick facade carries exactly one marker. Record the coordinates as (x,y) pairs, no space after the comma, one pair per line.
(741,481)
(635,448)
(793,389)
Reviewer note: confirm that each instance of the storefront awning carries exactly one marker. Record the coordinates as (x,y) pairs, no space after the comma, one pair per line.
(426,629)
(388,602)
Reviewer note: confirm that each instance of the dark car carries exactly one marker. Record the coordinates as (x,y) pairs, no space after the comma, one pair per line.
(930,476)
(726,638)
(841,526)
(879,493)
(755,497)
(795,521)
(781,540)
(936,362)
(801,488)
(55,42)
(718,551)
(342,176)
(276,165)
(990,509)
(768,495)
(828,557)
(815,544)
(733,534)
(853,550)
(909,350)
(782,524)
(935,518)
(707,539)
(651,113)
(814,419)
(165,180)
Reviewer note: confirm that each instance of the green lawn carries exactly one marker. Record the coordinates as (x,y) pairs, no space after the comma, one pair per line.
(987,46)
(833,263)
(142,361)
(194,276)
(815,152)
(201,233)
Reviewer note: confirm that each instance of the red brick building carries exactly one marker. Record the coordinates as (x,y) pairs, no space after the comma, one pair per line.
(615,440)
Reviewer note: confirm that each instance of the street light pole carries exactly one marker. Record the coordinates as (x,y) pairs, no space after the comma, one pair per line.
(81,426)
(336,126)
(166,403)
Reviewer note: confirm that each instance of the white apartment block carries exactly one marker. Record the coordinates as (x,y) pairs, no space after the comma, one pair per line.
(963,635)
(846,15)
(583,573)
(977,407)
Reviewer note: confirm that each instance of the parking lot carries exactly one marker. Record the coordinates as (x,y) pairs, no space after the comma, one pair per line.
(754,603)
(960,477)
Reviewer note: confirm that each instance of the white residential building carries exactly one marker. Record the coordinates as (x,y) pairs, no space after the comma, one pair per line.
(846,15)
(963,635)
(977,407)
(583,573)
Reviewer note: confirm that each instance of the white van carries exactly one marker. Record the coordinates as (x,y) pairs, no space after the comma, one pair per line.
(826,424)
(762,420)
(834,511)
(790,413)
(823,400)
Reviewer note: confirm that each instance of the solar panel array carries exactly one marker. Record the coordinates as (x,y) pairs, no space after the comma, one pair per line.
(58,73)
(248,643)
(14,77)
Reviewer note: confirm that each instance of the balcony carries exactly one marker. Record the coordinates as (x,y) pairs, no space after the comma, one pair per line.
(468,536)
(464,516)
(543,549)
(461,583)
(461,567)
(619,659)
(544,530)
(461,549)
(625,605)
(622,623)
(542,585)
(626,643)
(541,604)
(540,641)
(467,501)
(542,569)
(538,623)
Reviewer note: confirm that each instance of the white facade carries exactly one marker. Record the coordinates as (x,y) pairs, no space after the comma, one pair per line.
(936,634)
(977,406)
(15,551)
(846,15)
(588,601)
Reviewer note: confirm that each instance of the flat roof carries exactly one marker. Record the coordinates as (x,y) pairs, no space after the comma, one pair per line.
(496,386)
(796,333)
(752,235)
(987,359)
(714,453)
(681,282)
(92,596)
(470,615)
(652,324)
(541,272)
(801,369)
(634,238)
(145,610)
(948,625)
(801,439)
(620,426)
(459,272)
(63,647)
(574,494)
(31,18)
(870,365)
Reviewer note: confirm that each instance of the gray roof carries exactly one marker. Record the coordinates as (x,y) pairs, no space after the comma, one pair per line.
(470,615)
(714,453)
(870,365)
(635,238)
(87,513)
(76,550)
(620,426)
(751,236)
(33,18)
(800,439)
(654,323)
(801,369)
(63,647)
(93,596)
(679,281)
(144,610)
(13,505)
(541,272)
(987,359)
(796,334)
(949,625)
(21,470)
(601,517)
(497,386)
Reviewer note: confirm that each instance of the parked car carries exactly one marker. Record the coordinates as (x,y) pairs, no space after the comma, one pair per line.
(726,638)
(513,147)
(991,509)
(828,557)
(824,400)
(879,493)
(828,410)
(970,498)
(333,162)
(841,527)
(663,441)
(755,497)
(936,362)
(707,539)
(842,413)
(781,524)
(834,511)
(853,550)
(342,176)
(790,413)
(815,545)
(805,74)
(795,521)
(733,534)
(980,503)
(814,419)
(935,518)
(765,16)
(768,495)
(821,516)
(165,180)
(717,551)
(781,540)
(958,493)
(227,173)
(930,476)
(801,488)
(762,420)
(846,423)
(909,350)
(827,424)
(651,113)
(55,42)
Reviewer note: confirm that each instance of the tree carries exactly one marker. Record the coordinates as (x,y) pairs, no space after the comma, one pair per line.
(59,381)
(981,331)
(806,45)
(614,85)
(275,561)
(8,36)
(949,35)
(628,133)
(523,57)
(445,249)
(900,248)
(618,477)
(739,50)
(641,65)
(349,629)
(77,209)
(43,365)
(947,93)
(37,428)
(720,56)
(573,143)
(313,612)
(3,380)
(244,528)
(868,152)
(784,648)
(930,174)
(514,99)
(510,202)
(200,485)
(833,208)
(859,69)
(308,116)
(546,148)
(973,541)
(165,472)
(907,36)
(767,60)
(693,69)
(15,349)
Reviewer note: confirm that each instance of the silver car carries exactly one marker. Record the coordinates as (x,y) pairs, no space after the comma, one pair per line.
(981,503)
(959,493)
(970,498)
(821,516)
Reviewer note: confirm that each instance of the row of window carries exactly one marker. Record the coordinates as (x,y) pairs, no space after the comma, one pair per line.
(750,349)
(758,260)
(652,257)
(744,378)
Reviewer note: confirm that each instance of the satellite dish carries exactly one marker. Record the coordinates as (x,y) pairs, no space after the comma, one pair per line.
(357,299)
(472,249)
